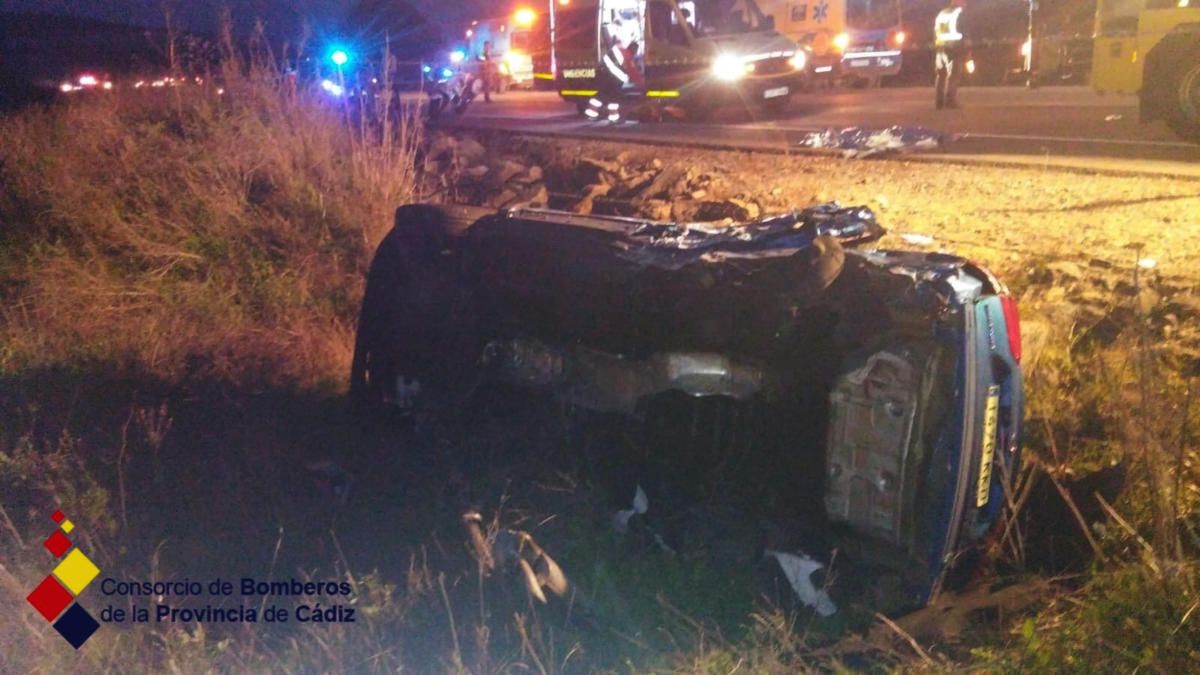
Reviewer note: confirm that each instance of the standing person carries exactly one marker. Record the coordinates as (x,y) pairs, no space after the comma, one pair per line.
(487,75)
(951,53)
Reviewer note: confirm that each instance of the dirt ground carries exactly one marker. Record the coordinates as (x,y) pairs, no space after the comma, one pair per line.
(1069,243)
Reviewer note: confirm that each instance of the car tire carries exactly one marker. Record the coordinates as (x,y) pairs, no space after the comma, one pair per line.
(1186,89)
(414,322)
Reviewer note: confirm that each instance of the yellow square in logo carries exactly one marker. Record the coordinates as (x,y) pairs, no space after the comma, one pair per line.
(76,571)
(67,526)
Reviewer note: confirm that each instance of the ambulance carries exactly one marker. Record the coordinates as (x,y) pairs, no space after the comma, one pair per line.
(673,50)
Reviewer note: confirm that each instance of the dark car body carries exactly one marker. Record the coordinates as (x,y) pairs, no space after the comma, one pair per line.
(895,374)
(870,55)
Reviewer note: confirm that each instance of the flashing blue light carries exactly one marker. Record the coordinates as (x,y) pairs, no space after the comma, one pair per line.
(332,87)
(446,72)
(340,57)
(426,69)
(457,56)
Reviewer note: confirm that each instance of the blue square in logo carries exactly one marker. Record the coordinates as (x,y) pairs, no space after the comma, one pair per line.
(76,625)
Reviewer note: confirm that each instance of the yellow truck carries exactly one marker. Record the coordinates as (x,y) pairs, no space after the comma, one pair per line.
(1151,47)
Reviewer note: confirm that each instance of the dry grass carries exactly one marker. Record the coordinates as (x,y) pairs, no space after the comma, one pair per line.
(186,231)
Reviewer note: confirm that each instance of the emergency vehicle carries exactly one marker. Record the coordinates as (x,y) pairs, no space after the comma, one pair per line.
(852,40)
(512,47)
(1151,47)
(666,49)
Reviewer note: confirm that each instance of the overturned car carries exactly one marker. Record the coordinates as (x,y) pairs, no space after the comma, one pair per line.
(892,378)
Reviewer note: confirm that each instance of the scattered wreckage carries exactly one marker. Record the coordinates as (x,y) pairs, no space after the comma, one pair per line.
(894,376)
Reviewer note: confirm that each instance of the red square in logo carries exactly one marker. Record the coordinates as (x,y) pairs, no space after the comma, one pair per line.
(57,516)
(57,543)
(50,598)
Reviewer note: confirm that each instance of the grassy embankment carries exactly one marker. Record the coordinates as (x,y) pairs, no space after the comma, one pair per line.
(180,275)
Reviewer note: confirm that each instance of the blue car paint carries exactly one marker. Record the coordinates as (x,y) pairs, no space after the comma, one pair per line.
(986,360)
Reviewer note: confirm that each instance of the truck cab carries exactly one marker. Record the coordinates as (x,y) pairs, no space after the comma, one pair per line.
(1152,48)
(673,49)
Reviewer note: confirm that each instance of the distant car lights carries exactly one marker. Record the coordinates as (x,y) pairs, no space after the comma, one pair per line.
(457,56)
(85,82)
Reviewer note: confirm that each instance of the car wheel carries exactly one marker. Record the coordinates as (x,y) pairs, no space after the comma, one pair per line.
(1186,121)
(415,331)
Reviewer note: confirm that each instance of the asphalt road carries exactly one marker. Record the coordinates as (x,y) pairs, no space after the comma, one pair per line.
(1060,126)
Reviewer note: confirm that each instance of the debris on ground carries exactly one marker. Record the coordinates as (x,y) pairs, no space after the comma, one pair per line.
(640,505)
(856,142)
(798,570)
(917,239)
(507,548)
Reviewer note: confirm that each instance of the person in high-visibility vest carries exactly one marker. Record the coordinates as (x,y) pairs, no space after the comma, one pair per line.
(951,53)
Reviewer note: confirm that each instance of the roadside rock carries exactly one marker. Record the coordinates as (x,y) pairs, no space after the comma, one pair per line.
(730,208)
(585,205)
(664,181)
(505,198)
(509,169)
(537,196)
(684,210)
(656,209)
(590,171)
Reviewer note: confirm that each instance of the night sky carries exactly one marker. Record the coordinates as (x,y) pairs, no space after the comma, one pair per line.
(283,18)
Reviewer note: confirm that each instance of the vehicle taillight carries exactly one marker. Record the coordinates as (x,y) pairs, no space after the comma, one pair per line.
(1012,320)
(899,37)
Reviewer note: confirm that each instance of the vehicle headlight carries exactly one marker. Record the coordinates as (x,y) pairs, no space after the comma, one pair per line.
(841,41)
(728,67)
(799,60)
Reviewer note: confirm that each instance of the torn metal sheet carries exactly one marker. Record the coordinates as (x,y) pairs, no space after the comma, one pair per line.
(856,142)
(799,569)
(640,505)
(673,245)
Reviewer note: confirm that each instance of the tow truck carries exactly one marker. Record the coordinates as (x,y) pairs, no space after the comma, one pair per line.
(1151,47)
(702,59)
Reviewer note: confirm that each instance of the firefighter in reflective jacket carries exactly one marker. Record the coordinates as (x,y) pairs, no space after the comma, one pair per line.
(951,54)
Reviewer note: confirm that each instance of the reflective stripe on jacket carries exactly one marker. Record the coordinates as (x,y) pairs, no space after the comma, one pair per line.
(945,27)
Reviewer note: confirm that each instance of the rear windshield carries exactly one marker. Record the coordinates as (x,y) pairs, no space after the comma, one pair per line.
(576,28)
